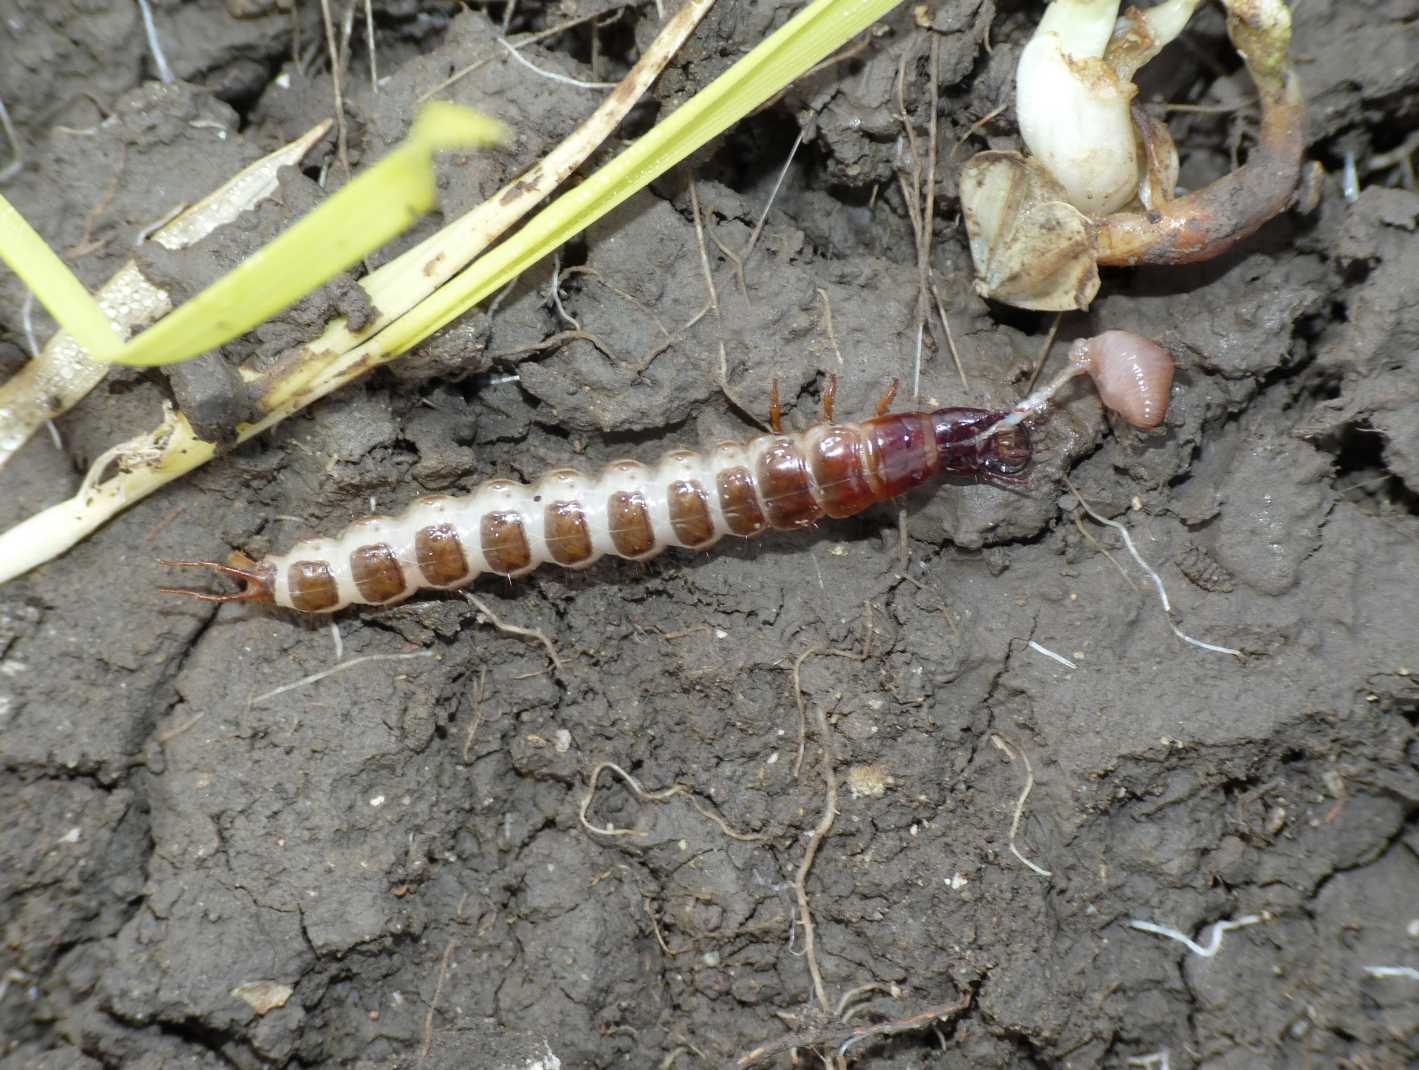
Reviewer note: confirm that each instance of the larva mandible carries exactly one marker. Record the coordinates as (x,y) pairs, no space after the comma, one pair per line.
(689,499)
(631,510)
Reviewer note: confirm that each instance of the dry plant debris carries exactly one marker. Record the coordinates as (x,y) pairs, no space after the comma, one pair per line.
(419,297)
(132,470)
(63,373)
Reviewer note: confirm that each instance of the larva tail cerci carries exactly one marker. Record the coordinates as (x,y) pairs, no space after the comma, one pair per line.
(689,499)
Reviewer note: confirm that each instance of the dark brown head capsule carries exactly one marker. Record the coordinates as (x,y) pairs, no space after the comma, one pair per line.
(967,449)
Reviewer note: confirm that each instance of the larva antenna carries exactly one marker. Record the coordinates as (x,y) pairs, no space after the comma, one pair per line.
(256,581)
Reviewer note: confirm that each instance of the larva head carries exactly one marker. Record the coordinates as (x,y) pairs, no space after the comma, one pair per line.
(1009,452)
(258,581)
(1133,374)
(967,445)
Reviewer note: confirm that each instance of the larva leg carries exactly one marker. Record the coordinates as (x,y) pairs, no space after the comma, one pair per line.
(830,395)
(885,405)
(775,409)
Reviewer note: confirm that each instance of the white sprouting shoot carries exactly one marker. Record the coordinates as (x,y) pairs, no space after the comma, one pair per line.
(1074,91)
(1074,111)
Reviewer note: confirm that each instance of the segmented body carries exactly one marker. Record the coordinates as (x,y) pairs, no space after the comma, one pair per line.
(632,510)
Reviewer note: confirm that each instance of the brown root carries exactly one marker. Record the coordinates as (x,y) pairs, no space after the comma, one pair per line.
(1207,223)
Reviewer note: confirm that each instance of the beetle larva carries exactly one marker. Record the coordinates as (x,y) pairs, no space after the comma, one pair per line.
(689,499)
(632,510)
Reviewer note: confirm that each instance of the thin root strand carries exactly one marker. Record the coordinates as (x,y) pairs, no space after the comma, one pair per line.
(1001,745)
(838,1037)
(512,629)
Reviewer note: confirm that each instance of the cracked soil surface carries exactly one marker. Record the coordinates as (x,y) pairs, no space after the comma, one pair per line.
(397,864)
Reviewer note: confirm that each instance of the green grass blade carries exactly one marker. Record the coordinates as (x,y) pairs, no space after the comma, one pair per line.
(50,279)
(370,210)
(805,40)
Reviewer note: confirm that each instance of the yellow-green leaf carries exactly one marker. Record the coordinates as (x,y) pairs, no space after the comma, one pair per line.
(57,288)
(371,209)
(803,41)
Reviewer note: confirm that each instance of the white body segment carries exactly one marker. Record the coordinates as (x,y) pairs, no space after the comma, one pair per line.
(567,517)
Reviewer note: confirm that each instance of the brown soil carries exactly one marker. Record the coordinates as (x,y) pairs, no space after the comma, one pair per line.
(399,843)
